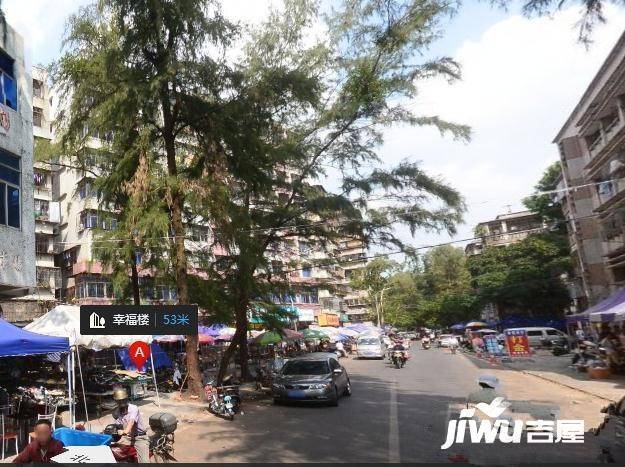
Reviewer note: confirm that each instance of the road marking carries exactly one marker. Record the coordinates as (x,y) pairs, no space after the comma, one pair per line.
(393,428)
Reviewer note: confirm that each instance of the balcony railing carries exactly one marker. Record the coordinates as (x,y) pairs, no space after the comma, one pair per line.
(601,141)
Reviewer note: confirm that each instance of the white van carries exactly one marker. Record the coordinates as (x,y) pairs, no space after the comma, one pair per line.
(369,346)
(536,335)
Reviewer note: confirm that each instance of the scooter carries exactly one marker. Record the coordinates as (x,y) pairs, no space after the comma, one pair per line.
(399,359)
(161,441)
(425,345)
(223,401)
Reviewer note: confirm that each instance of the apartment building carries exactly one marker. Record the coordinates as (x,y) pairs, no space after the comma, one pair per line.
(17,221)
(592,150)
(505,229)
(353,258)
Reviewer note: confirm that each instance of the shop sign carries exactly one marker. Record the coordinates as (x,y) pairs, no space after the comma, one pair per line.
(518,343)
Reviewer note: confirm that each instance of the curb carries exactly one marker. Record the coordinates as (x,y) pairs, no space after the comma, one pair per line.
(544,378)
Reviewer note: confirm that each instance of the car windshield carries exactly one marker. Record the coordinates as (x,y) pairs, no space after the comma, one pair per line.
(305,367)
(371,341)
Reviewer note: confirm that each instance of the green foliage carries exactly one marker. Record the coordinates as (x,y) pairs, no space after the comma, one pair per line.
(543,204)
(524,277)
(592,11)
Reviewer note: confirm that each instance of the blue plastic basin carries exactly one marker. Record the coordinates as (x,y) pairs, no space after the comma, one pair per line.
(71,437)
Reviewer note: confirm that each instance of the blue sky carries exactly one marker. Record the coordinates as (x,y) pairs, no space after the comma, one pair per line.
(521,79)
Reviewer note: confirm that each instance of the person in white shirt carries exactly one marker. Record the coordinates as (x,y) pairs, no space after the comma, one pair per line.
(340,350)
(134,431)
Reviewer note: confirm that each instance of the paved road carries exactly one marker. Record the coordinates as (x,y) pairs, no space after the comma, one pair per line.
(393,416)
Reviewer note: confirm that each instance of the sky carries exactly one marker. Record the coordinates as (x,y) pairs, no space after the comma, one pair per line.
(521,79)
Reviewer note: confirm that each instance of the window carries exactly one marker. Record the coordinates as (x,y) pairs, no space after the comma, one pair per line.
(308,296)
(307,272)
(534,333)
(87,190)
(166,292)
(8,86)
(334,365)
(38,117)
(40,179)
(42,244)
(42,209)
(304,248)
(89,220)
(37,88)
(9,190)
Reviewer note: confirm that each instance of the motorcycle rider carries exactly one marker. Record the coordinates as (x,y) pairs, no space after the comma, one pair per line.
(399,347)
(134,432)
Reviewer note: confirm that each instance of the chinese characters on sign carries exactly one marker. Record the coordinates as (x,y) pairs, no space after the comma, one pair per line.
(138,320)
(491,344)
(518,344)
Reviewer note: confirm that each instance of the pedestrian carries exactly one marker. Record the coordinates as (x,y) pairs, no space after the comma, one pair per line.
(43,448)
(177,376)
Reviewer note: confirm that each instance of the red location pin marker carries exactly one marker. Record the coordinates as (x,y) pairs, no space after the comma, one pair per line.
(139,353)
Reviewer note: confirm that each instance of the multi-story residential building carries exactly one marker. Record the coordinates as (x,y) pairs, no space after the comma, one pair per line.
(17,221)
(592,150)
(504,230)
(47,210)
(353,258)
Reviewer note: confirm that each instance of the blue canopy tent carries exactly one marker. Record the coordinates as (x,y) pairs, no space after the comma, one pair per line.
(517,321)
(15,342)
(604,311)
(160,358)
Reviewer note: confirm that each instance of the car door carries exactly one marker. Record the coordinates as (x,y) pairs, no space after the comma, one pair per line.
(339,380)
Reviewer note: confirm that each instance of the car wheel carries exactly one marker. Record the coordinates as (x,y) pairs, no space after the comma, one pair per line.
(334,402)
(348,389)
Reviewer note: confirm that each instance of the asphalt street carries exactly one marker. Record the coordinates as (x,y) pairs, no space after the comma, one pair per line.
(393,416)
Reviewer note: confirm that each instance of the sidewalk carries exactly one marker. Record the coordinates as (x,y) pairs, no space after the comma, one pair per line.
(557,370)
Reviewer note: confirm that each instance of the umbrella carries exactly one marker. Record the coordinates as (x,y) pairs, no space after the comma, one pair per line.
(213,330)
(226,334)
(168,338)
(487,331)
(476,324)
(314,334)
(273,337)
(348,332)
(206,339)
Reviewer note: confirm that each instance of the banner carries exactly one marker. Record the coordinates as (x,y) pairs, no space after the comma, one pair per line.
(518,344)
(491,344)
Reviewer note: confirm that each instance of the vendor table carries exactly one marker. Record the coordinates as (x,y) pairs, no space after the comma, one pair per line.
(86,455)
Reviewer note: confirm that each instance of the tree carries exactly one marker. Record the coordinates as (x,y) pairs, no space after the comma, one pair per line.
(375,278)
(244,141)
(524,277)
(543,204)
(592,11)
(146,70)
(445,270)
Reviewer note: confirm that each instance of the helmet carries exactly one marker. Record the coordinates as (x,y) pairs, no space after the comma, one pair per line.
(120,394)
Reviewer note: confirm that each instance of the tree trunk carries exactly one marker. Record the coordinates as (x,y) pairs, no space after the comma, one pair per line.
(135,280)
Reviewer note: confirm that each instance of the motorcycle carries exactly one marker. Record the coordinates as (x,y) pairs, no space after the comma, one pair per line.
(161,441)
(399,358)
(425,345)
(614,442)
(223,401)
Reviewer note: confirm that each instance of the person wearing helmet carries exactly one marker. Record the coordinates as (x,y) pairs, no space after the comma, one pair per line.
(134,432)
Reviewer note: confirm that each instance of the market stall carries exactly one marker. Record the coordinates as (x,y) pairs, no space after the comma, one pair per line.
(97,386)
(22,407)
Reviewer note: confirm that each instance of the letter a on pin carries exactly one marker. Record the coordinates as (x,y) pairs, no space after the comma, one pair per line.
(139,352)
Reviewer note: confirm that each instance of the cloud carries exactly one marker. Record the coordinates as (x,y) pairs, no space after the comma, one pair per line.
(521,79)
(42,24)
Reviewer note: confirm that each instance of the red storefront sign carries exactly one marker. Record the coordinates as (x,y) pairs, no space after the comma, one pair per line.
(517,343)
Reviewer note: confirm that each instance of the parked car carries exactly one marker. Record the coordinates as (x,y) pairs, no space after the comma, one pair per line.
(316,377)
(539,336)
(369,347)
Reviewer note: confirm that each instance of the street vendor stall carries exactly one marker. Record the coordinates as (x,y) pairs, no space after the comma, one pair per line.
(64,320)
(16,342)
